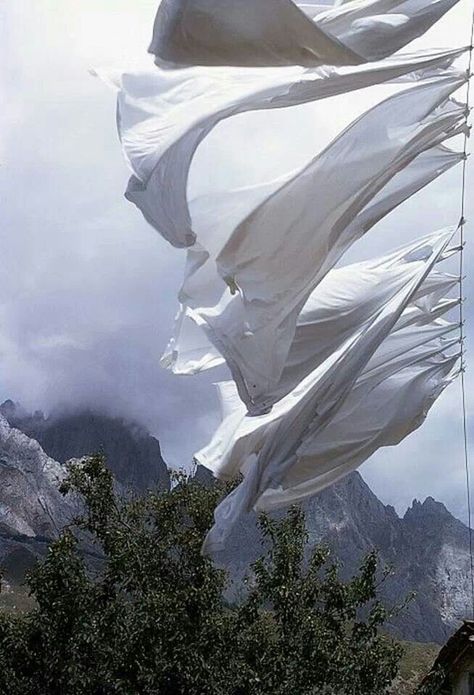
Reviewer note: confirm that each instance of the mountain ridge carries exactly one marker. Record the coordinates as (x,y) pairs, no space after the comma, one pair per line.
(427,547)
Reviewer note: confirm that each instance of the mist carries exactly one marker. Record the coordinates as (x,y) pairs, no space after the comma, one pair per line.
(88,291)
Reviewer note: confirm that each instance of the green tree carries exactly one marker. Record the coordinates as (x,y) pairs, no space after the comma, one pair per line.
(148,615)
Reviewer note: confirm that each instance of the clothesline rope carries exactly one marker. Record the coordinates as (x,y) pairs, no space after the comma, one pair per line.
(462,224)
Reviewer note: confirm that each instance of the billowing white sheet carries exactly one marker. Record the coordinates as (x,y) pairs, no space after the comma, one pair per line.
(352,298)
(163,117)
(380,411)
(190,351)
(279,252)
(281,32)
(266,448)
(331,363)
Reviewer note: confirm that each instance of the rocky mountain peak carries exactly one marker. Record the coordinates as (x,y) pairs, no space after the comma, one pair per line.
(428,548)
(133,455)
(429,507)
(8,408)
(30,501)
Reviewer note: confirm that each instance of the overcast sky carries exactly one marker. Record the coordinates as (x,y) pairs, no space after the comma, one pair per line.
(88,289)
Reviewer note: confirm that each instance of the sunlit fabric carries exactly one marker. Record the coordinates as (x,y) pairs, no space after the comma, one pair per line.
(267,449)
(164,116)
(329,361)
(277,254)
(190,351)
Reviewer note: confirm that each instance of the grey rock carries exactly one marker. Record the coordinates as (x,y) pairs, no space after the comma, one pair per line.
(30,501)
(133,455)
(428,550)
(32,510)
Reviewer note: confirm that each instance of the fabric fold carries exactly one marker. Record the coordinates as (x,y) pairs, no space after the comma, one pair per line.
(328,363)
(164,116)
(278,254)
(272,442)
(190,350)
(380,412)
(268,33)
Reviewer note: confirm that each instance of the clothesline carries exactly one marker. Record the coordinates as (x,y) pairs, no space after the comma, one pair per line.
(462,224)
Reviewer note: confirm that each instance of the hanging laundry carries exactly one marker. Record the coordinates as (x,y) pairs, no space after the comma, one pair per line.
(265,449)
(266,33)
(328,363)
(280,251)
(164,116)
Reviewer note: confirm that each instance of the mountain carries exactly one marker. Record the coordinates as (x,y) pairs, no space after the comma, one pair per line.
(31,502)
(31,508)
(428,548)
(133,455)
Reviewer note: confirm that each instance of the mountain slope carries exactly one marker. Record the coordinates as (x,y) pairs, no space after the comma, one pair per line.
(31,503)
(32,510)
(428,548)
(133,455)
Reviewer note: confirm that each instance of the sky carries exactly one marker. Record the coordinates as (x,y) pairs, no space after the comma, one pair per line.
(88,290)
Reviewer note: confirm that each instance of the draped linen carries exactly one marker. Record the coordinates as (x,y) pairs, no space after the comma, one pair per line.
(350,298)
(190,350)
(266,449)
(328,363)
(269,33)
(384,157)
(163,116)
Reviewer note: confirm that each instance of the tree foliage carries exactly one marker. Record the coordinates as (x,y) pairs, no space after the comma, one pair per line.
(151,617)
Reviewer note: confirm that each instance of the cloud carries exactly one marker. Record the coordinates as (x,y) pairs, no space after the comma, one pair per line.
(88,289)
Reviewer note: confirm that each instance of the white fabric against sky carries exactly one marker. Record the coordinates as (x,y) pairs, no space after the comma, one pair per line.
(326,349)
(274,256)
(277,32)
(189,350)
(266,448)
(350,297)
(163,116)
(285,247)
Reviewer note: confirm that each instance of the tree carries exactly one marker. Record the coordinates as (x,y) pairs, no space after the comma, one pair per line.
(148,615)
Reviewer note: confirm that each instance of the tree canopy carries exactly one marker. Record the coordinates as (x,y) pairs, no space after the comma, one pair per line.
(149,614)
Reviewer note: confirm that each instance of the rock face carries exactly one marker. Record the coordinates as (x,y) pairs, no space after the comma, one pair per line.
(133,455)
(428,549)
(32,510)
(30,502)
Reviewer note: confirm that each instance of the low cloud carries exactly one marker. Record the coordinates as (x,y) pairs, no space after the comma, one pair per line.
(89,290)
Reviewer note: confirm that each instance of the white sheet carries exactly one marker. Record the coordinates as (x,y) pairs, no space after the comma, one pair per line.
(163,117)
(280,32)
(266,448)
(273,259)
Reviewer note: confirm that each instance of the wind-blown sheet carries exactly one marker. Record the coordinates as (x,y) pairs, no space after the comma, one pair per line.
(328,364)
(267,449)
(190,351)
(278,32)
(323,209)
(163,116)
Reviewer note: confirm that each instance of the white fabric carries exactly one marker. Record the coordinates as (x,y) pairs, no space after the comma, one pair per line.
(349,298)
(354,182)
(275,257)
(279,32)
(349,359)
(190,351)
(379,412)
(378,28)
(266,448)
(163,117)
